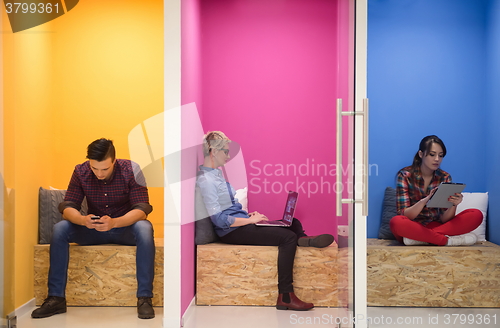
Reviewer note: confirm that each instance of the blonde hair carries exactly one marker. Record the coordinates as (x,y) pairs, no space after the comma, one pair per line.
(214,140)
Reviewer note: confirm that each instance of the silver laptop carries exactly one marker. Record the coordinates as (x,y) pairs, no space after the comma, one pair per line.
(286,221)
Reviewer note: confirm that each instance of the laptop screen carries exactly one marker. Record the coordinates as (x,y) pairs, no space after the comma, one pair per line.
(291,203)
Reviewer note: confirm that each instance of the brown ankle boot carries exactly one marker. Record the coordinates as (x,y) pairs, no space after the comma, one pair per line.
(294,304)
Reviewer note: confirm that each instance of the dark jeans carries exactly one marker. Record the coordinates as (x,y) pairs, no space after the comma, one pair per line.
(139,234)
(284,238)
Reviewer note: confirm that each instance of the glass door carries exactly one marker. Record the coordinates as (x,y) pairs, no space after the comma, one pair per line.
(352,161)
(361,161)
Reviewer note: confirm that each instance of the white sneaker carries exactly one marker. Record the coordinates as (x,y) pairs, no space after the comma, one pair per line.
(411,242)
(466,239)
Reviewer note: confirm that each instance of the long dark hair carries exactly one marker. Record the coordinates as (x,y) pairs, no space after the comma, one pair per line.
(425,147)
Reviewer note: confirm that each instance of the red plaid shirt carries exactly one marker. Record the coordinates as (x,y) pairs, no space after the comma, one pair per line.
(113,197)
(410,189)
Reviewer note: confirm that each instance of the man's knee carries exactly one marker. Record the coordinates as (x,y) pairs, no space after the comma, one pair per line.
(143,229)
(61,228)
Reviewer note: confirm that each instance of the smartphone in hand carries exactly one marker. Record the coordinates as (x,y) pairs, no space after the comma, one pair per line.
(95,217)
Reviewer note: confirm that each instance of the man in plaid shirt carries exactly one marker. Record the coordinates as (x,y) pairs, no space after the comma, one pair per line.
(118,206)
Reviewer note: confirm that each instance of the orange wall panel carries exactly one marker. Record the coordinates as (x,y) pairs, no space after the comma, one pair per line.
(96,71)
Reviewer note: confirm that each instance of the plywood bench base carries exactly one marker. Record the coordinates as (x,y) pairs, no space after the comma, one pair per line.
(247,275)
(102,275)
(433,276)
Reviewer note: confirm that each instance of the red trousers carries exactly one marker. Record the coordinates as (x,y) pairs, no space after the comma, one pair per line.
(436,232)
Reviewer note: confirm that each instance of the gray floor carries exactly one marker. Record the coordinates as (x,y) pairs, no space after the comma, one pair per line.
(268,317)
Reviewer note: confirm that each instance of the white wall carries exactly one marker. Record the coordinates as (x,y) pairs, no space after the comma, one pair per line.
(172,144)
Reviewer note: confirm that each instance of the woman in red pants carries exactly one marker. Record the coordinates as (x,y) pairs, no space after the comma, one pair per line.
(417,224)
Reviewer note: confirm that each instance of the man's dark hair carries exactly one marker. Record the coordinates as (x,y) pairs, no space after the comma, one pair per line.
(101,149)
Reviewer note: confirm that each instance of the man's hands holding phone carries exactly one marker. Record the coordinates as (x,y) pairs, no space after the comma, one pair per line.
(99,223)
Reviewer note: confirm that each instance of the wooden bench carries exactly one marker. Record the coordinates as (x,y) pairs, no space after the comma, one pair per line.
(433,276)
(247,275)
(102,275)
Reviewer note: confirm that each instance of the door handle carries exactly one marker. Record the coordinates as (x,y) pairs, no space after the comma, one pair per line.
(338,195)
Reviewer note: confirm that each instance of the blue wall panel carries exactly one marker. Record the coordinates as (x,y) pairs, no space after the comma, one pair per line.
(493,138)
(427,74)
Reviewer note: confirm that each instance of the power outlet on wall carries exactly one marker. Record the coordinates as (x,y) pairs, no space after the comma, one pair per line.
(343,236)
(343,230)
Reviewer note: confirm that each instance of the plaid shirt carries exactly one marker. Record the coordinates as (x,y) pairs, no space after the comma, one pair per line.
(114,197)
(410,190)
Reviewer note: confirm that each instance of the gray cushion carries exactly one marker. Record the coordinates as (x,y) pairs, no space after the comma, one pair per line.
(204,230)
(389,210)
(48,212)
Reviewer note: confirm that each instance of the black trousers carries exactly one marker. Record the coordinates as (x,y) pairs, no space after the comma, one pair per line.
(284,238)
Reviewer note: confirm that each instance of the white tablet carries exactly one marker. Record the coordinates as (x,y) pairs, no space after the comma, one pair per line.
(445,190)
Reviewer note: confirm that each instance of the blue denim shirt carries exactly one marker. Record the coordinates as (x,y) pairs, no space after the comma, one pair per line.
(219,201)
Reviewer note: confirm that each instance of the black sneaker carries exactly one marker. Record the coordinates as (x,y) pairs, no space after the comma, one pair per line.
(320,241)
(145,308)
(52,305)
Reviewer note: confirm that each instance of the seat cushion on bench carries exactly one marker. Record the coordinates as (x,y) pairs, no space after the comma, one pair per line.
(477,200)
(389,211)
(48,212)
(204,230)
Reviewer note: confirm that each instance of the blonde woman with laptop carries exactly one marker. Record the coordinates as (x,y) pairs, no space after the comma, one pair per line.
(233,225)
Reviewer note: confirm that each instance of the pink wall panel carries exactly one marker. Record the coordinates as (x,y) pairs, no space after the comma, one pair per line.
(267,73)
(270,79)
(191,93)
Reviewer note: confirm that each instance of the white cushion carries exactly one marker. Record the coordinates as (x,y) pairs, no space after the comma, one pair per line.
(241,196)
(477,200)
